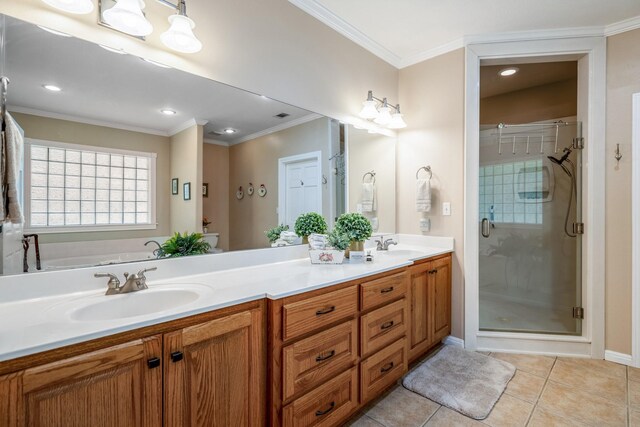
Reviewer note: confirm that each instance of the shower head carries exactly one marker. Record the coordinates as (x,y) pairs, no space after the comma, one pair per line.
(561,160)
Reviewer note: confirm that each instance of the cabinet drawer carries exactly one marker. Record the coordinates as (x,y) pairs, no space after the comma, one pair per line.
(383,369)
(326,405)
(313,313)
(313,360)
(383,326)
(381,291)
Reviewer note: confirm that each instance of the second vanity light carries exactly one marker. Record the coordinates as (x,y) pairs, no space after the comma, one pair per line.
(382,113)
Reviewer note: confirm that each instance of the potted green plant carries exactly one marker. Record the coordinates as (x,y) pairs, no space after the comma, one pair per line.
(333,253)
(273,234)
(310,223)
(184,245)
(357,227)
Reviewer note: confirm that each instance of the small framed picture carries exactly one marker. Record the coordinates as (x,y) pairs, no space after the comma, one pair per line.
(186,191)
(205,190)
(174,186)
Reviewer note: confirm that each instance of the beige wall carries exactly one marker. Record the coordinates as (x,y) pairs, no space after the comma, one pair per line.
(256,161)
(432,98)
(100,136)
(186,165)
(375,152)
(216,207)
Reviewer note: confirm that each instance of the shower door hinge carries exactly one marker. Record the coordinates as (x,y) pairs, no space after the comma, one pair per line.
(578,228)
(578,313)
(578,143)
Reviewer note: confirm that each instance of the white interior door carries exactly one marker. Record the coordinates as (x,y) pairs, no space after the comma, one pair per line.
(302,190)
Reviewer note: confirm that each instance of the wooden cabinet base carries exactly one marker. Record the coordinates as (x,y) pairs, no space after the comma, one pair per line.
(382,369)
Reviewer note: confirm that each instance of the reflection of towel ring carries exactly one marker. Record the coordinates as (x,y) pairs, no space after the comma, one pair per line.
(424,168)
(373,177)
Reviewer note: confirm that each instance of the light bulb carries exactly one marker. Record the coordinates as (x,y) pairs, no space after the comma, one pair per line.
(180,35)
(369,110)
(127,16)
(78,7)
(397,122)
(384,117)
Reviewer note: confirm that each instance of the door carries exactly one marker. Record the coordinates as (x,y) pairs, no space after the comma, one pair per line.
(302,187)
(214,372)
(420,331)
(117,386)
(439,279)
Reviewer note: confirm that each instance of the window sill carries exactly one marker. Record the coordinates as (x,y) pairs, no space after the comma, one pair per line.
(89,229)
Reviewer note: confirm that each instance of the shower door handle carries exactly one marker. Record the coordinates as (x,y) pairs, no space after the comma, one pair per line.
(486,228)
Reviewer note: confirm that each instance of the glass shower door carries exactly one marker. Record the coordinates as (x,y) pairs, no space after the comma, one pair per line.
(530,235)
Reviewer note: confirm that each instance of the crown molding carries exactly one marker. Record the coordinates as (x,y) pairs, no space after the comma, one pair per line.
(622,26)
(215,142)
(283,126)
(186,125)
(432,53)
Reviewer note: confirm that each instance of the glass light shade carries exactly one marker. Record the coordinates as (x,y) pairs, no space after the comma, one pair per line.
(78,7)
(127,16)
(369,110)
(384,117)
(397,122)
(180,35)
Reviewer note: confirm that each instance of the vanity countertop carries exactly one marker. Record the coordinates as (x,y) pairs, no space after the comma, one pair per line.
(35,325)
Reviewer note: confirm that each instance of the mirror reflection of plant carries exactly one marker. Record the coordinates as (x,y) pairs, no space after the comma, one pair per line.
(273,234)
(310,223)
(338,240)
(184,245)
(355,225)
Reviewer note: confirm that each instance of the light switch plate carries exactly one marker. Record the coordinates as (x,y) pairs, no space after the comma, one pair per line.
(446,208)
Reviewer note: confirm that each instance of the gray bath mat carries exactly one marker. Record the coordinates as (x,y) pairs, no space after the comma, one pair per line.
(462,380)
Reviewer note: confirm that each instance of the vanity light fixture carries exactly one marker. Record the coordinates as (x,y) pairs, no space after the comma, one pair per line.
(506,72)
(57,33)
(179,36)
(168,112)
(382,113)
(77,7)
(52,88)
(127,16)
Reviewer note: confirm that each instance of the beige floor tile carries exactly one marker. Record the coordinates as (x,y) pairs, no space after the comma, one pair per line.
(445,417)
(509,412)
(634,395)
(363,421)
(634,418)
(580,375)
(582,406)
(634,374)
(536,365)
(543,418)
(600,366)
(402,408)
(525,386)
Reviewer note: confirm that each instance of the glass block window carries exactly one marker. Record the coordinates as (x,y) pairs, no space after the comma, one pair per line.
(74,186)
(514,193)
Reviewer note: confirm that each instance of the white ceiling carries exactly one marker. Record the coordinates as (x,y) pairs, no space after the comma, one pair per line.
(123,91)
(404,32)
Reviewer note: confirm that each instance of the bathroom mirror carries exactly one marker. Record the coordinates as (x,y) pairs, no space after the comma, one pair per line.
(120,151)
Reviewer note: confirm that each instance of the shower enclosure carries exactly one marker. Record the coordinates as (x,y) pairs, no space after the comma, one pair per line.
(530,259)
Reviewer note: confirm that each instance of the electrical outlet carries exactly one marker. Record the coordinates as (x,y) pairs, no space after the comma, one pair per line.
(446,208)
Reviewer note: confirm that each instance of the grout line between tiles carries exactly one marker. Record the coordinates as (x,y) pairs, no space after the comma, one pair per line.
(544,386)
(432,415)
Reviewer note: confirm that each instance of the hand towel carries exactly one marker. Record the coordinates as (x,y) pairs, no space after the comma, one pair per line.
(369,200)
(318,241)
(423,195)
(12,149)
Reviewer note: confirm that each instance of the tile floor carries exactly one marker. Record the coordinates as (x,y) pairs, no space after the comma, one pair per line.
(545,392)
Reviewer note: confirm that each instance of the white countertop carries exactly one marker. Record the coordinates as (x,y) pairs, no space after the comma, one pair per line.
(33,325)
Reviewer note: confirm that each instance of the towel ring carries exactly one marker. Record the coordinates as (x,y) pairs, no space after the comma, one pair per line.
(373,177)
(424,168)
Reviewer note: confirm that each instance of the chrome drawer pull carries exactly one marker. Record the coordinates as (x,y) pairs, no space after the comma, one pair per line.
(387,367)
(325,310)
(326,411)
(324,357)
(386,325)
(386,290)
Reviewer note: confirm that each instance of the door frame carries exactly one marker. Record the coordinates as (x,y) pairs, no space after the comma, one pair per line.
(635,233)
(591,343)
(282,178)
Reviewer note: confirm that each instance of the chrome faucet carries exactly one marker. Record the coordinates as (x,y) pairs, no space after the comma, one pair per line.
(384,245)
(134,282)
(158,250)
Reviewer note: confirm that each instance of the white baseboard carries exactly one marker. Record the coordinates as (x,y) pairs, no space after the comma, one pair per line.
(449,340)
(614,356)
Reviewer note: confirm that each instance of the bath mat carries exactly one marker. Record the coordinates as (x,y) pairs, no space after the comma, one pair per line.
(462,380)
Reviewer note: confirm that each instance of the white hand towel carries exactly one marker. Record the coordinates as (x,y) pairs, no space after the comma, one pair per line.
(423,195)
(12,145)
(368,199)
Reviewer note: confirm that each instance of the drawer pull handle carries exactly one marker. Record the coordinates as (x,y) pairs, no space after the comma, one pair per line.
(326,411)
(176,356)
(325,310)
(154,362)
(324,357)
(387,367)
(386,325)
(386,290)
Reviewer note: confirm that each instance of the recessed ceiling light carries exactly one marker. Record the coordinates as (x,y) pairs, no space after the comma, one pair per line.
(168,112)
(150,61)
(52,88)
(57,33)
(113,50)
(229,131)
(508,71)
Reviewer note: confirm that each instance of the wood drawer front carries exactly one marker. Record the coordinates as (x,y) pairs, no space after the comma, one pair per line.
(383,369)
(313,360)
(315,312)
(381,291)
(326,405)
(383,326)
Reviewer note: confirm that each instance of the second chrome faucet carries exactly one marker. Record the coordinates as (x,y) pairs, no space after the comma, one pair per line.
(133,282)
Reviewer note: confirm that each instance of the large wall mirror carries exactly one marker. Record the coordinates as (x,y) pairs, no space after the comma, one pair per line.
(120,151)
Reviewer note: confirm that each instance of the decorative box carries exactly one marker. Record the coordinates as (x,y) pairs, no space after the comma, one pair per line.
(326,256)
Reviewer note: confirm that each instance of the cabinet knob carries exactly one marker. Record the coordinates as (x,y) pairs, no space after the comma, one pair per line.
(326,411)
(387,367)
(154,362)
(176,356)
(325,310)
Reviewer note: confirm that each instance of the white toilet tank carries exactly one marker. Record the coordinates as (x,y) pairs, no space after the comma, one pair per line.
(212,239)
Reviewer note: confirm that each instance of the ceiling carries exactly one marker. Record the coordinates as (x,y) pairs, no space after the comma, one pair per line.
(528,75)
(124,91)
(404,32)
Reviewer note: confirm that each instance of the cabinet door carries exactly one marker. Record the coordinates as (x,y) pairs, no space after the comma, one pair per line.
(214,373)
(440,298)
(420,331)
(116,386)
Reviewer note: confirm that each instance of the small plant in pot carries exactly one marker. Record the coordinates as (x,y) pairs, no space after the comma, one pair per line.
(357,227)
(273,234)
(333,251)
(184,245)
(310,223)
